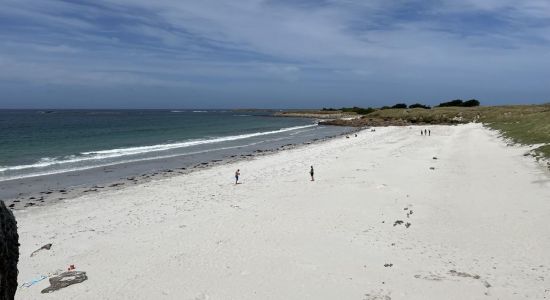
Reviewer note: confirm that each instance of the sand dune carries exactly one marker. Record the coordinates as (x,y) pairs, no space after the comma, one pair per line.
(474,226)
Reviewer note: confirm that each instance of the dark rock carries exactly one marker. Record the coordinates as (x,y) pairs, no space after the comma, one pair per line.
(398,222)
(9,253)
(64,280)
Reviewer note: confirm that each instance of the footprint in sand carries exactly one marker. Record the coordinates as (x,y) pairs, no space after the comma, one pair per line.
(378,295)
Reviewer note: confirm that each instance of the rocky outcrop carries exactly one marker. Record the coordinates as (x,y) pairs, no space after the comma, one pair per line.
(9,253)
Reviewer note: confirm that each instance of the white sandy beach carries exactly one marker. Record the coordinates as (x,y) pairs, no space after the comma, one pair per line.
(479,228)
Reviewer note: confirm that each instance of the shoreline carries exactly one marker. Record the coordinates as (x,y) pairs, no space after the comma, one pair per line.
(44,196)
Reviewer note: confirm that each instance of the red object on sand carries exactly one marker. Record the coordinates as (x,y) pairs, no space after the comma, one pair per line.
(71,267)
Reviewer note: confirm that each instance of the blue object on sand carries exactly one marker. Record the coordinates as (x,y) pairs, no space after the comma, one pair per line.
(34,281)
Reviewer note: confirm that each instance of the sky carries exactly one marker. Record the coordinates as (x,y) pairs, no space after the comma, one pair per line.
(271,54)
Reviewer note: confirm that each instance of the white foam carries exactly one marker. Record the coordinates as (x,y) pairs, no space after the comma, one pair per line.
(117,162)
(121,152)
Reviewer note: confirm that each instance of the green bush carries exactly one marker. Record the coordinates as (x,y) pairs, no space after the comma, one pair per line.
(358,110)
(470,103)
(456,102)
(400,105)
(418,105)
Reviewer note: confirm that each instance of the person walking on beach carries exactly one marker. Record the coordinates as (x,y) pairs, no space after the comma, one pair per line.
(429,132)
(425,132)
(237,173)
(421,132)
(311,173)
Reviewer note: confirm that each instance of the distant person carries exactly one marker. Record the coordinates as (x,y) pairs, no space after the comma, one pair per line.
(429,132)
(237,174)
(311,172)
(421,132)
(425,132)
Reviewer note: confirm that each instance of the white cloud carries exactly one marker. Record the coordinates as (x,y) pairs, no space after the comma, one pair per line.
(142,42)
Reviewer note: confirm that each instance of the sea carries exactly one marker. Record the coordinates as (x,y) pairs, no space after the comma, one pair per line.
(40,144)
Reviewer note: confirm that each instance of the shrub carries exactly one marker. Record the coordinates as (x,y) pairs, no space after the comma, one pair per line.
(358,110)
(471,103)
(418,105)
(400,105)
(456,102)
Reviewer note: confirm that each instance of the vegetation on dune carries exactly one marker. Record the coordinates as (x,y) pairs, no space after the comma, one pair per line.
(418,105)
(524,124)
(353,110)
(358,110)
(460,103)
(400,105)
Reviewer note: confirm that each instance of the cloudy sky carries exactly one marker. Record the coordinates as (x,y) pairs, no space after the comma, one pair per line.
(271,53)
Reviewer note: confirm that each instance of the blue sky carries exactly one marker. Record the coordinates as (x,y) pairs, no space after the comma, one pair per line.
(253,53)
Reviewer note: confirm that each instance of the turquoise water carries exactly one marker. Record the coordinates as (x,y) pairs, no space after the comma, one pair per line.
(41,142)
